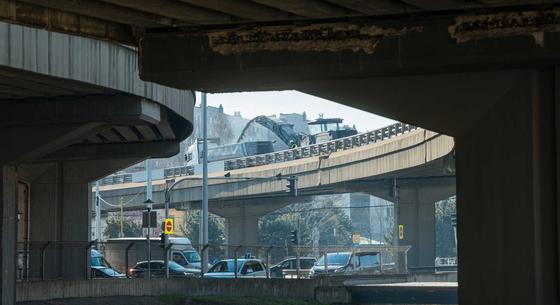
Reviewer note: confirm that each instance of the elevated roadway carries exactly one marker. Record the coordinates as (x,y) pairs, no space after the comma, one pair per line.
(419,161)
(484,72)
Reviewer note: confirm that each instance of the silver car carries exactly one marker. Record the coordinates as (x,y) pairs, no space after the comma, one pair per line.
(246,268)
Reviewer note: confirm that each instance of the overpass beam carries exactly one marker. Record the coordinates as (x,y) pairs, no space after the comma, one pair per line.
(507,197)
(8,225)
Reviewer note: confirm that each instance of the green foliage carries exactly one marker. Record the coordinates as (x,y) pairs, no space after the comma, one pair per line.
(131,227)
(445,236)
(191,227)
(324,213)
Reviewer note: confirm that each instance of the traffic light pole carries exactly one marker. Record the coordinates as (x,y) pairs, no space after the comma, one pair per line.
(166,236)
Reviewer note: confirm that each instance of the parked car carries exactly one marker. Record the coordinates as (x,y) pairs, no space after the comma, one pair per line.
(305,266)
(348,263)
(366,262)
(100,268)
(157,269)
(336,262)
(246,268)
(98,272)
(181,251)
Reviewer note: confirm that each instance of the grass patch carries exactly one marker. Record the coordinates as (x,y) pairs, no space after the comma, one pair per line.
(220,300)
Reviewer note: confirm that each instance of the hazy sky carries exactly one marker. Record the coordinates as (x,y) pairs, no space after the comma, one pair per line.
(252,104)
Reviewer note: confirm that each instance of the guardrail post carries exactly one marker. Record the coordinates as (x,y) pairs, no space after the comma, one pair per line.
(127,272)
(267,253)
(235,260)
(43,252)
(297,263)
(202,253)
(166,260)
(86,256)
(326,263)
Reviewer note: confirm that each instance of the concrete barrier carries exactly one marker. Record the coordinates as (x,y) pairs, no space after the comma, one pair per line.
(48,290)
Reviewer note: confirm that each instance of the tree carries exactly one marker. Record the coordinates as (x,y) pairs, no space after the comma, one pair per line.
(445,236)
(131,227)
(191,228)
(324,213)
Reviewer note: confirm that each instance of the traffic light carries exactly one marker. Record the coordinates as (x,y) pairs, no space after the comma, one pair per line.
(291,187)
(294,237)
(162,240)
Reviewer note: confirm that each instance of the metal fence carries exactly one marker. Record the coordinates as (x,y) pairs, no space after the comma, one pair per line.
(93,260)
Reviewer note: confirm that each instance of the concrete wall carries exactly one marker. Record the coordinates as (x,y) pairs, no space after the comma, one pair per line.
(32,291)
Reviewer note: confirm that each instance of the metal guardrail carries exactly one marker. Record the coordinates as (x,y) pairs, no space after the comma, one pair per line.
(313,150)
(178,171)
(319,149)
(116,179)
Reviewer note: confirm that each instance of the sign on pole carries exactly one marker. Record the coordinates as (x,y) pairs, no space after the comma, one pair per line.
(168,226)
(153,219)
(401,231)
(355,239)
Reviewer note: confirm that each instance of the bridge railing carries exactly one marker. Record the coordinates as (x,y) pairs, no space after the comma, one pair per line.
(312,150)
(319,149)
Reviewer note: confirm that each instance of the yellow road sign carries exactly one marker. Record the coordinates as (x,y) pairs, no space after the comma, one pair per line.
(168,226)
(401,231)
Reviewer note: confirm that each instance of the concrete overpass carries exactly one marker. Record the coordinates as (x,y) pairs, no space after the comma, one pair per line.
(72,110)
(484,72)
(420,160)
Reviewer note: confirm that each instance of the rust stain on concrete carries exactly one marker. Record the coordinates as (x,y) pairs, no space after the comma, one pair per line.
(528,23)
(315,38)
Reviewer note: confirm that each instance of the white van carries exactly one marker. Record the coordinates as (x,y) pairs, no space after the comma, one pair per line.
(181,252)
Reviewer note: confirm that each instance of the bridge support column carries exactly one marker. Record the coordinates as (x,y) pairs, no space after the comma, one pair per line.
(242,229)
(8,225)
(417,216)
(59,214)
(507,196)
(60,208)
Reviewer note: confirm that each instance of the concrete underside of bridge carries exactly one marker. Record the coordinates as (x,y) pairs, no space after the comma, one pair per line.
(489,80)
(65,121)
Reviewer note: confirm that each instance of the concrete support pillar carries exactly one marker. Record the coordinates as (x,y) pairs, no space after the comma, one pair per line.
(242,229)
(8,224)
(60,208)
(507,196)
(417,217)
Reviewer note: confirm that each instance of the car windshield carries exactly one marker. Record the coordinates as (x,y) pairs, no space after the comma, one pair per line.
(334,259)
(368,260)
(192,256)
(99,261)
(175,266)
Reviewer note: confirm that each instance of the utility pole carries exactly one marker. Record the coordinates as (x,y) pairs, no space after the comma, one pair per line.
(204,220)
(97,213)
(121,201)
(149,208)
